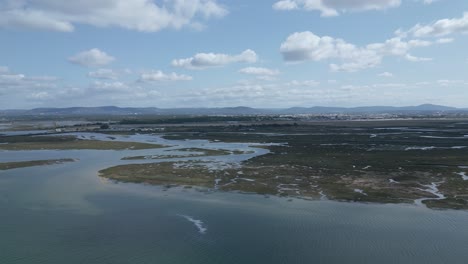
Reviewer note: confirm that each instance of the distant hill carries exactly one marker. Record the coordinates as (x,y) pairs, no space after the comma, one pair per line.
(240,110)
(373,109)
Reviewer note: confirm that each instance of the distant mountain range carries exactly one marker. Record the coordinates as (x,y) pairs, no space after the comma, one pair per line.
(241,110)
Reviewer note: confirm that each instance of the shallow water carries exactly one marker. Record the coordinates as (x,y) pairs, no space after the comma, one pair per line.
(66,214)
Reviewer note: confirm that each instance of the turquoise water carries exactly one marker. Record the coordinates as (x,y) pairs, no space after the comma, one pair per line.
(66,214)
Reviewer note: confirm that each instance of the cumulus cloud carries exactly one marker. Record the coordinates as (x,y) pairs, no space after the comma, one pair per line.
(307,83)
(329,8)
(39,95)
(416,59)
(306,46)
(286,5)
(259,71)
(283,94)
(17,83)
(207,60)
(428,2)
(101,92)
(298,93)
(17,88)
(386,74)
(446,83)
(158,76)
(442,27)
(9,80)
(303,46)
(264,74)
(91,58)
(445,40)
(110,86)
(140,15)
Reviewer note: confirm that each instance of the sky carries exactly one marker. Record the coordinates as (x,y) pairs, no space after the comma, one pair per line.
(219,53)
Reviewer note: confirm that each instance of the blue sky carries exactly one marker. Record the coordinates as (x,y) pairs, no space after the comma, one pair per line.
(216,53)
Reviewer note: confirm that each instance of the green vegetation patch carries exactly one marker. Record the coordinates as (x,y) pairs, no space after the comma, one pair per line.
(160,174)
(67,143)
(31,163)
(191,152)
(383,162)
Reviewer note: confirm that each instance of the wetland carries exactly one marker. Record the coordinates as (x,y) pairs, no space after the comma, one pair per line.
(351,162)
(387,192)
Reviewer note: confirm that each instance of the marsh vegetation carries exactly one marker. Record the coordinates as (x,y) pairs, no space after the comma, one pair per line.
(31,163)
(384,162)
(395,161)
(66,142)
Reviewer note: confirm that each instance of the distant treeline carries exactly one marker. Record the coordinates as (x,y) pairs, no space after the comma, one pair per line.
(195,119)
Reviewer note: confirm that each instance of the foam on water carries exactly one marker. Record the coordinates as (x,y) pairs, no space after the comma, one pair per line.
(198,223)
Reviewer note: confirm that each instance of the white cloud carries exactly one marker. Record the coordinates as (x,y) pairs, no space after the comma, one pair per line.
(298,93)
(20,80)
(206,60)
(416,59)
(442,27)
(285,5)
(428,2)
(445,40)
(386,74)
(110,86)
(102,92)
(259,71)
(446,83)
(39,95)
(91,58)
(279,94)
(306,46)
(17,83)
(307,83)
(104,74)
(141,15)
(18,88)
(11,78)
(32,19)
(329,8)
(157,76)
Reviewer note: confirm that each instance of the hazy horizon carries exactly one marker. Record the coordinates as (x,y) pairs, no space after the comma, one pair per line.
(239,106)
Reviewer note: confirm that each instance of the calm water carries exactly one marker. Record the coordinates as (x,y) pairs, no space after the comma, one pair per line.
(66,214)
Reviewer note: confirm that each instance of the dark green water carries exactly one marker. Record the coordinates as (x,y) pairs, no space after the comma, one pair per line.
(66,214)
